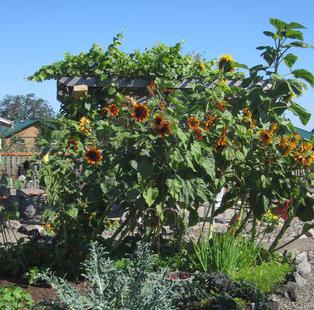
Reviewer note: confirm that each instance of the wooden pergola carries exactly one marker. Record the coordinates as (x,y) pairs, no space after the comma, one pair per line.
(72,86)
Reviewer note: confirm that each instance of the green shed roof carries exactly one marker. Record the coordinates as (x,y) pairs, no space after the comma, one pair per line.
(18,126)
(304,133)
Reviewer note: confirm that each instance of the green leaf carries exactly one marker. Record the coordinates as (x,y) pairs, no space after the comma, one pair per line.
(73,212)
(299,44)
(228,153)
(174,187)
(278,24)
(294,34)
(145,167)
(87,106)
(290,59)
(150,195)
(299,111)
(294,25)
(304,75)
(269,34)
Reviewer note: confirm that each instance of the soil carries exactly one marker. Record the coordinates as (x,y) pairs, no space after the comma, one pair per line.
(38,292)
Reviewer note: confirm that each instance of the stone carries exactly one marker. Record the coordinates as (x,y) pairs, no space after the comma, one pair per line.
(304,268)
(273,305)
(289,291)
(303,236)
(300,258)
(29,211)
(298,279)
(31,230)
(310,233)
(12,224)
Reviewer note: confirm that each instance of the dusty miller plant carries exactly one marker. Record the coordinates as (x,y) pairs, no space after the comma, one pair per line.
(108,287)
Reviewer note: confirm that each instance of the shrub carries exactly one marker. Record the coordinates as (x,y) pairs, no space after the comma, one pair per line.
(109,287)
(15,298)
(223,252)
(266,276)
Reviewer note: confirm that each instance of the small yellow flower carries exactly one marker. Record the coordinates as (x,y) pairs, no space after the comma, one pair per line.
(225,63)
(266,136)
(84,126)
(46,158)
(202,66)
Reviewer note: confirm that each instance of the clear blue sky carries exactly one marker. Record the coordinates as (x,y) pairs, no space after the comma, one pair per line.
(36,32)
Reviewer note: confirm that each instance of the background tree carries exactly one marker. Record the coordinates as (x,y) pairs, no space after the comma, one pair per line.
(23,107)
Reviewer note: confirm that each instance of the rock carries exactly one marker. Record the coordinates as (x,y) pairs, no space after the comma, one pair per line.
(29,211)
(303,236)
(310,233)
(12,224)
(289,291)
(273,305)
(31,230)
(298,279)
(300,258)
(304,268)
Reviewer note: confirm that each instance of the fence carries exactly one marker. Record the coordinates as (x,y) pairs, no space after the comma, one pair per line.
(10,162)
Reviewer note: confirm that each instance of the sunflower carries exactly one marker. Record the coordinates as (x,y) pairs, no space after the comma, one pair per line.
(198,134)
(210,121)
(84,126)
(193,122)
(221,143)
(273,127)
(113,110)
(140,112)
(158,119)
(220,106)
(73,144)
(247,115)
(306,147)
(93,155)
(266,136)
(202,66)
(164,128)
(225,63)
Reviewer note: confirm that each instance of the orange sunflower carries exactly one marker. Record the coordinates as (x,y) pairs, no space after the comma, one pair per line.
(164,129)
(210,121)
(221,143)
(93,156)
(113,110)
(198,134)
(140,112)
(266,136)
(193,122)
(220,106)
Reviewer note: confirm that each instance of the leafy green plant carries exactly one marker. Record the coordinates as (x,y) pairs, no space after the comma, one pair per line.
(15,298)
(266,276)
(109,287)
(223,252)
(161,158)
(32,275)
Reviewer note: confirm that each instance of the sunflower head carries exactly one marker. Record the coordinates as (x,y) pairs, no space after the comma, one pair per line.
(220,106)
(93,156)
(84,126)
(158,119)
(140,112)
(266,136)
(198,134)
(306,147)
(193,122)
(202,66)
(164,128)
(113,110)
(225,63)
(211,119)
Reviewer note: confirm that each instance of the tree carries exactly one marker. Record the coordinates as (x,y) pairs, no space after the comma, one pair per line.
(22,107)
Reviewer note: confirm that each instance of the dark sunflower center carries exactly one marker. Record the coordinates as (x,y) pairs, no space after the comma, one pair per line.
(93,155)
(140,112)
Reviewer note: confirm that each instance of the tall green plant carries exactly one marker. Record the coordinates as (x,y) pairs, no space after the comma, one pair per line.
(223,252)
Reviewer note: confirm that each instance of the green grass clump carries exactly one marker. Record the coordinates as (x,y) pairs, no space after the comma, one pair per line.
(266,276)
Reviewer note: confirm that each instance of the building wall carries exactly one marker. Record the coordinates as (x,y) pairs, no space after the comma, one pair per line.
(29,135)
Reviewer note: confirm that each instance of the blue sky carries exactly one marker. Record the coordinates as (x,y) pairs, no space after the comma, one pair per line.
(36,32)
